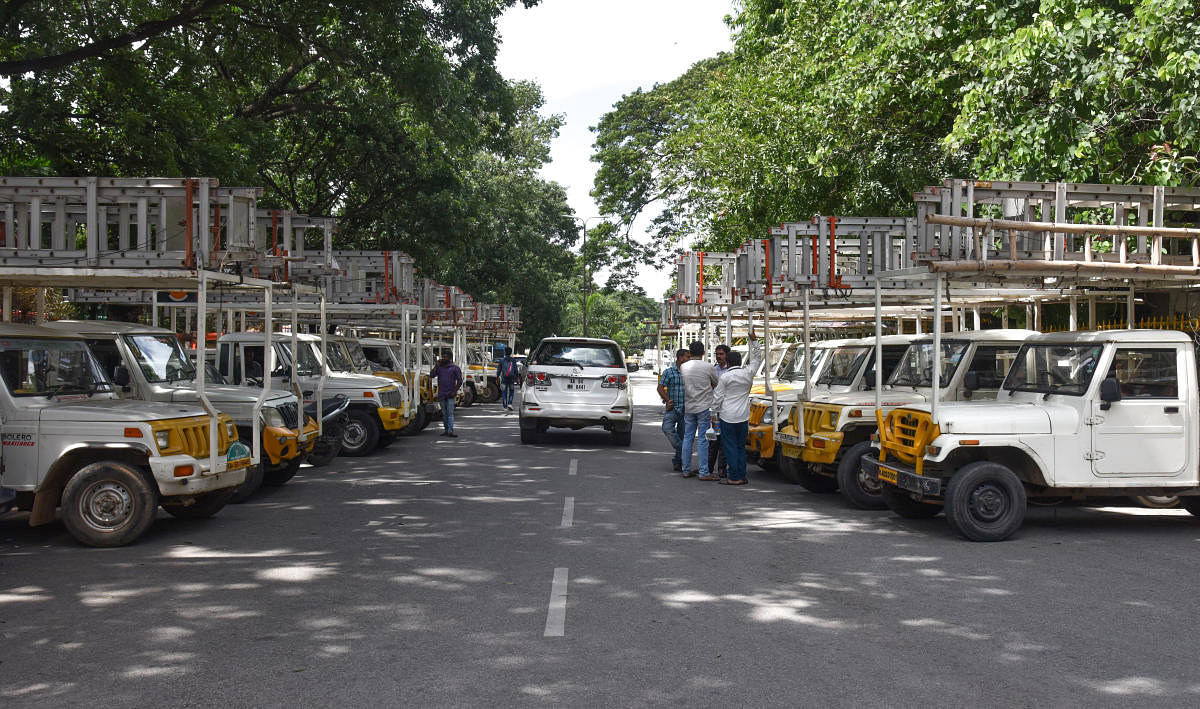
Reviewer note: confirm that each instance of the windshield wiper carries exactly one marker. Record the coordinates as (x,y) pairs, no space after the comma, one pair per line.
(69,389)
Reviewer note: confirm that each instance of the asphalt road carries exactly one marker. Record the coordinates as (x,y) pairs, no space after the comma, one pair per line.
(480,572)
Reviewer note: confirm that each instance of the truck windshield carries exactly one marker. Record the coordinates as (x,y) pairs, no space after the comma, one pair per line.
(338,361)
(40,367)
(794,371)
(161,358)
(843,365)
(1054,369)
(379,356)
(308,366)
(358,357)
(916,366)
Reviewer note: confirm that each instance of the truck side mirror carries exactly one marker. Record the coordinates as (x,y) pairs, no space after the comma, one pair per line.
(869,379)
(1110,391)
(121,376)
(971,381)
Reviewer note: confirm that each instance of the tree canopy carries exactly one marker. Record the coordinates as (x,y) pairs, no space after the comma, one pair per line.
(848,106)
(389,115)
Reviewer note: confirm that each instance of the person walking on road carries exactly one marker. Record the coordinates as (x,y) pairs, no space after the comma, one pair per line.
(670,390)
(716,456)
(731,410)
(508,373)
(449,379)
(699,379)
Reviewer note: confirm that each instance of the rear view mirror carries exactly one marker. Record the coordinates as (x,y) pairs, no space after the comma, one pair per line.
(971,381)
(1110,391)
(121,375)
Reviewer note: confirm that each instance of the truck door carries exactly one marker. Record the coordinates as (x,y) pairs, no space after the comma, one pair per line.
(1144,433)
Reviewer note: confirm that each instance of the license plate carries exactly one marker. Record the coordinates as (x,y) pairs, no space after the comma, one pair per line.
(787,438)
(237,457)
(887,475)
(576,384)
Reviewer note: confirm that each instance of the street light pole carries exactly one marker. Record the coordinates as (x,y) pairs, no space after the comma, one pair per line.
(587,274)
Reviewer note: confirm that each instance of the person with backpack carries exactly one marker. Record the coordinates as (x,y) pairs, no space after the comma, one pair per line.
(508,373)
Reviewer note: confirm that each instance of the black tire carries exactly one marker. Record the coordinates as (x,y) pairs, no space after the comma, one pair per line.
(774,463)
(860,489)
(253,481)
(279,476)
(202,506)
(429,418)
(361,435)
(899,502)
(622,438)
(416,425)
(324,453)
(386,439)
(791,467)
(985,502)
(468,397)
(109,504)
(490,394)
(530,435)
(1157,502)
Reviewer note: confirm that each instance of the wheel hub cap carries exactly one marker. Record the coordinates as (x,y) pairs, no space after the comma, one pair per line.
(989,503)
(869,485)
(106,505)
(355,435)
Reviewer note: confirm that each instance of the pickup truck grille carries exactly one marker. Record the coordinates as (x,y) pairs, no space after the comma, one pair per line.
(390,398)
(905,434)
(820,418)
(290,414)
(190,435)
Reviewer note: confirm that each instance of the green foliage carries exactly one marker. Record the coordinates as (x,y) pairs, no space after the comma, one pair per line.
(613,314)
(390,115)
(829,106)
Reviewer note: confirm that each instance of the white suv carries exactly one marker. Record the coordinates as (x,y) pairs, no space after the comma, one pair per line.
(575,382)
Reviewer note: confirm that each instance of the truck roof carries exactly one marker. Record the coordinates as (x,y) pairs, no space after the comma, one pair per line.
(21,330)
(1000,335)
(258,337)
(885,340)
(106,327)
(1114,336)
(379,342)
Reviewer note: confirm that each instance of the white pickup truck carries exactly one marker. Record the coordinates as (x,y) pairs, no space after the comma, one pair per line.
(1079,415)
(972,366)
(69,442)
(148,364)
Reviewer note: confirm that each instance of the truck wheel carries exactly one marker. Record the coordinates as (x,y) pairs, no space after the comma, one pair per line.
(1157,502)
(899,502)
(797,471)
(416,425)
(985,502)
(773,463)
(280,476)
(860,489)
(202,507)
(386,439)
(108,504)
(361,434)
(791,467)
(622,438)
(468,396)
(490,394)
(324,453)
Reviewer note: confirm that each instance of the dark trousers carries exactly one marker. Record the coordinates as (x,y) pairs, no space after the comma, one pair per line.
(733,440)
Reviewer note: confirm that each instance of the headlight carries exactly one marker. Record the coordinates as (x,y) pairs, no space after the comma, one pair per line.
(231,430)
(163,439)
(833,418)
(768,417)
(272,417)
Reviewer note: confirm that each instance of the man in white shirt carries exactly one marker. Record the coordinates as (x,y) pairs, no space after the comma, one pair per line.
(731,409)
(699,378)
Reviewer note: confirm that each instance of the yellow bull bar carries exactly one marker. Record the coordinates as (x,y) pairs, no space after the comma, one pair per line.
(822,440)
(906,434)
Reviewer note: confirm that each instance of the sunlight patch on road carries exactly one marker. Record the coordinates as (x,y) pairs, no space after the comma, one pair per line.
(294,574)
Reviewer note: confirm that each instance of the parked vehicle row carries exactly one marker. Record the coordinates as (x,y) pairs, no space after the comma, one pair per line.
(1021,415)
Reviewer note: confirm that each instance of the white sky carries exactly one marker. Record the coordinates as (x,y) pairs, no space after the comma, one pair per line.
(587,54)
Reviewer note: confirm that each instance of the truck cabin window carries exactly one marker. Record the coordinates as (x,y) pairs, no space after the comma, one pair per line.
(37,367)
(1146,373)
(991,363)
(916,366)
(843,365)
(1054,369)
(161,358)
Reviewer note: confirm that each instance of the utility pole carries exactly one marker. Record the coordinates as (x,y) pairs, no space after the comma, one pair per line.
(587,273)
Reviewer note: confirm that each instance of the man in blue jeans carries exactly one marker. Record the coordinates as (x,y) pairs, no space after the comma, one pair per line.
(670,390)
(508,372)
(699,379)
(731,409)
(449,379)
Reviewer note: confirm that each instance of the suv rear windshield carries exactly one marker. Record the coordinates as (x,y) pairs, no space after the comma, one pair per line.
(583,354)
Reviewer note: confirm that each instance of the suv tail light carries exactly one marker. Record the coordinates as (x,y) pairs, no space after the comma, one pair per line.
(538,378)
(614,381)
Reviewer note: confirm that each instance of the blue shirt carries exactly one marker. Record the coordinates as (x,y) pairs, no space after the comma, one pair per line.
(449,378)
(672,381)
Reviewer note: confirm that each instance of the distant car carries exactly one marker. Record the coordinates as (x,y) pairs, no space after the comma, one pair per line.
(574,382)
(632,366)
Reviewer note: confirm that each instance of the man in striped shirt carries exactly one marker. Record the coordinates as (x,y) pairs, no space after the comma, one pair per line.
(670,390)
